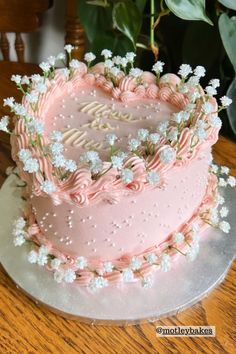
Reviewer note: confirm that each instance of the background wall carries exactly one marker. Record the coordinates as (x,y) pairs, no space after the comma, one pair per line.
(49,39)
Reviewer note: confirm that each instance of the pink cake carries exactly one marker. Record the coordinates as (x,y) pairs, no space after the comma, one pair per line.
(118,168)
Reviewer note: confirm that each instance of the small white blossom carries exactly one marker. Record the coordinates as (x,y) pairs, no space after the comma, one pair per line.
(151,258)
(108,64)
(42,259)
(136,72)
(153,177)
(96,166)
(178,238)
(20,223)
(43,250)
(111,139)
(56,136)
(215,83)
(127,275)
(165,264)
(32,257)
(58,276)
(16,79)
(69,276)
(25,80)
(66,72)
(214,217)
(107,267)
(36,78)
(214,168)
(45,66)
(89,156)
(123,62)
(61,56)
(51,60)
(222,182)
(81,262)
(173,134)
(193,81)
(19,109)
(114,71)
(130,56)
(133,144)
(193,96)
(231,181)
(55,263)
(41,87)
(106,53)
(31,165)
(224,170)
(56,148)
(127,175)
(74,64)
(58,161)
(224,226)
(225,101)
(178,117)
(98,283)
(207,108)
(70,166)
(89,57)
(167,155)
(199,71)
(215,121)
(36,126)
(19,240)
(224,212)
(48,187)
(192,252)
(24,154)
(154,138)
(4,124)
(68,48)
(162,127)
(116,161)
(158,67)
(185,70)
(9,101)
(201,133)
(143,134)
(220,200)
(210,91)
(117,60)
(147,282)
(195,228)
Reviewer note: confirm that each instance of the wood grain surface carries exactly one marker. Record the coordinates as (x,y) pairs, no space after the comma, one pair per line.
(26,327)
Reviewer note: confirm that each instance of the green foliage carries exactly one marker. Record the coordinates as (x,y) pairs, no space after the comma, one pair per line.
(231,4)
(227,27)
(189,9)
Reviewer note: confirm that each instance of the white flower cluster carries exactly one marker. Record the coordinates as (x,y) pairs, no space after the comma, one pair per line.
(40,257)
(31,164)
(19,232)
(93,160)
(4,121)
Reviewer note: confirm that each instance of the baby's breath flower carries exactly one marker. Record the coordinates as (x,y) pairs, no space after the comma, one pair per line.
(143,134)
(133,144)
(45,66)
(200,71)
(24,154)
(214,83)
(81,262)
(178,237)
(165,264)
(117,60)
(89,156)
(207,108)
(147,282)
(107,267)
(96,166)
(185,70)
(36,78)
(178,117)
(98,283)
(215,122)
(55,263)
(231,181)
(224,226)
(74,64)
(214,168)
(210,91)
(16,79)
(61,56)
(70,165)
(154,138)
(19,240)
(4,121)
(32,257)
(193,81)
(173,134)
(31,165)
(130,56)
(151,258)
(158,67)
(224,212)
(51,60)
(66,72)
(68,48)
(42,259)
(224,170)
(167,155)
(58,276)
(222,182)
(48,187)
(127,275)
(56,136)
(225,101)
(162,127)
(20,223)
(25,80)
(114,71)
(192,252)
(9,101)
(41,87)
(123,62)
(117,161)
(69,276)
(89,57)
(19,109)
(106,53)
(200,133)
(35,126)
(111,139)
(56,148)
(153,177)
(58,161)
(127,175)
(136,72)
(108,64)
(220,200)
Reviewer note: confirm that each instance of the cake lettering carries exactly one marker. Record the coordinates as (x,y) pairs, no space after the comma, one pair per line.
(76,138)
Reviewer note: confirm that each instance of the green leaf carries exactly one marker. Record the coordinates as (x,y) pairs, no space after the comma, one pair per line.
(141,4)
(117,43)
(199,37)
(227,27)
(231,110)
(95,19)
(127,19)
(189,9)
(231,4)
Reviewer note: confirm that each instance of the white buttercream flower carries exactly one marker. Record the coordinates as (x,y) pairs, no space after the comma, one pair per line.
(81,262)
(111,139)
(153,177)
(31,165)
(224,212)
(178,237)
(16,79)
(68,48)
(45,66)
(32,257)
(167,155)
(56,136)
(69,276)
(225,101)
(89,57)
(231,181)
(224,226)
(70,166)
(158,67)
(151,258)
(98,283)
(130,56)
(165,264)
(199,71)
(192,251)
(127,275)
(185,70)
(127,175)
(24,154)
(147,282)
(55,263)
(133,144)
(48,187)
(4,124)
(106,53)
(35,126)
(136,72)
(143,134)
(107,267)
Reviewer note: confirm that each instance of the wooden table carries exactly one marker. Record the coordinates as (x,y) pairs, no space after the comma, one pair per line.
(29,328)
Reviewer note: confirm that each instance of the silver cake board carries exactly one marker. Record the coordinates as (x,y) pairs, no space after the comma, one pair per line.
(184,285)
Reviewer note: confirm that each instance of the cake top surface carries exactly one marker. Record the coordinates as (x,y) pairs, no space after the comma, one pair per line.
(86,133)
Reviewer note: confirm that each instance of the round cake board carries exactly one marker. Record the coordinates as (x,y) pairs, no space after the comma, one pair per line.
(184,285)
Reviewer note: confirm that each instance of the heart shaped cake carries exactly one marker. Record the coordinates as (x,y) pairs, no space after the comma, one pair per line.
(118,168)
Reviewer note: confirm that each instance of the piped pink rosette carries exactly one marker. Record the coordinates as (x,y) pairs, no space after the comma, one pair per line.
(79,188)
